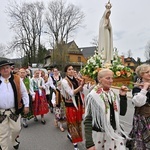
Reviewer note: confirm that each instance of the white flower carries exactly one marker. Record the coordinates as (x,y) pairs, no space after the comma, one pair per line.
(107,65)
(120,66)
(94,63)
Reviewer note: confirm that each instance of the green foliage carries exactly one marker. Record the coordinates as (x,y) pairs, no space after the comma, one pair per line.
(120,70)
(96,63)
(93,66)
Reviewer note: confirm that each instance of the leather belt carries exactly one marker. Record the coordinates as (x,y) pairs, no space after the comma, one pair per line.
(7,109)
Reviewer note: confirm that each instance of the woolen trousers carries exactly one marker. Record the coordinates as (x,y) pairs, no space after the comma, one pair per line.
(9,130)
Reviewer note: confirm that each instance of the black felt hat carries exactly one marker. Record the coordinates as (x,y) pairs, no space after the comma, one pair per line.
(6,62)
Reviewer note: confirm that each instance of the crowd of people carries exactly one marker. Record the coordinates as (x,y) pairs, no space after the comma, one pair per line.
(73,101)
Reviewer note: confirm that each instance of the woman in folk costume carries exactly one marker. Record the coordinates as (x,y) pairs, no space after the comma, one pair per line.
(47,88)
(56,77)
(50,90)
(73,102)
(23,75)
(40,105)
(85,90)
(58,103)
(140,132)
(103,108)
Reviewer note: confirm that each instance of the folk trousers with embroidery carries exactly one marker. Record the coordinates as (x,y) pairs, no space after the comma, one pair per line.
(9,128)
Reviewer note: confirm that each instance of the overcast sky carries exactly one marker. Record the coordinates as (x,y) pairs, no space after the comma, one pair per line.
(130,21)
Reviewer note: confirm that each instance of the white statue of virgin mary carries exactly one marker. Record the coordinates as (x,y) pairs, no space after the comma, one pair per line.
(105,42)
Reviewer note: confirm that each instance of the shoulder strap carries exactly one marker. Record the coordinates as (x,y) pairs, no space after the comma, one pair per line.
(69,82)
(59,78)
(52,78)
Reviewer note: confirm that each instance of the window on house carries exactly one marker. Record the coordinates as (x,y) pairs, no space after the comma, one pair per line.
(128,64)
(79,59)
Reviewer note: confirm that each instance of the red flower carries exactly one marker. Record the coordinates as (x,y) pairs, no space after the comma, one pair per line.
(122,72)
(115,106)
(99,90)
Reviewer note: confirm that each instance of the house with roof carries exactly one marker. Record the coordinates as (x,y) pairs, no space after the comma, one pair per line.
(74,57)
(129,62)
(78,57)
(88,51)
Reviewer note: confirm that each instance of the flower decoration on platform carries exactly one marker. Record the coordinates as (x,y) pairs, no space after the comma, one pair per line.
(96,63)
(120,70)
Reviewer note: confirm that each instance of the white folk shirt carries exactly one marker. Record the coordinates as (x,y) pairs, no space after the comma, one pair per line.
(7,94)
(50,83)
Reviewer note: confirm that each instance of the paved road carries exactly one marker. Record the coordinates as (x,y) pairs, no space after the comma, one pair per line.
(44,137)
(48,137)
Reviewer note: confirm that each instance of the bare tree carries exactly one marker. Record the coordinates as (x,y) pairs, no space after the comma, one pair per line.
(147,51)
(2,50)
(59,55)
(27,22)
(62,20)
(95,41)
(129,53)
(138,61)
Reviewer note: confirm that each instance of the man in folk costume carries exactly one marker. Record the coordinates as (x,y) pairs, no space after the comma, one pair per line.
(23,75)
(13,97)
(74,105)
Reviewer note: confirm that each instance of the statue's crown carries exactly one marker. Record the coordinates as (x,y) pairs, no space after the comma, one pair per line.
(108,5)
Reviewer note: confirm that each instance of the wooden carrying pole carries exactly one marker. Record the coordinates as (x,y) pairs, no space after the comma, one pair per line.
(117,87)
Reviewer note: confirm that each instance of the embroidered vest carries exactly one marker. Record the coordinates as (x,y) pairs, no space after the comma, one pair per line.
(15,83)
(70,84)
(55,81)
(27,83)
(36,84)
(59,97)
(73,101)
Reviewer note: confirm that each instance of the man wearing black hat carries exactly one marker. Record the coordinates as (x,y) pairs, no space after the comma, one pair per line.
(13,96)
